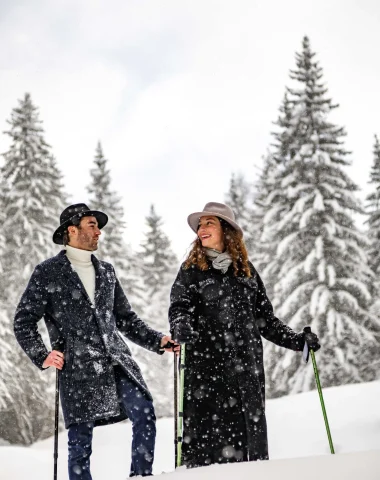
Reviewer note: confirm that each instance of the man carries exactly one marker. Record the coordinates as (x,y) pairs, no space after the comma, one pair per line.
(85,308)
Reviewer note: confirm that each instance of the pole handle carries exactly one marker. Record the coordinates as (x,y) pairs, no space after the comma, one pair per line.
(306,350)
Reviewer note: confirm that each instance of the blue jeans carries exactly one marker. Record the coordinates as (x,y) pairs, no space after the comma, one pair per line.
(140,411)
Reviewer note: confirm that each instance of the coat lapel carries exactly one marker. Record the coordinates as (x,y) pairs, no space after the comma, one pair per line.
(72,275)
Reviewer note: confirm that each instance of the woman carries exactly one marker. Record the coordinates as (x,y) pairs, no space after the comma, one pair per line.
(220,310)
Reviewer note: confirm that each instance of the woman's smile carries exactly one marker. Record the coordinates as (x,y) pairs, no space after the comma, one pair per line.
(210,233)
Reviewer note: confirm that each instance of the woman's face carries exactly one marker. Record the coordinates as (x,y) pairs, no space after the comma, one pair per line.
(210,233)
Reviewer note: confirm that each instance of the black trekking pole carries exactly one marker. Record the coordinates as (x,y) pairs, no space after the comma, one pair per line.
(56,415)
(175,409)
(308,330)
(59,346)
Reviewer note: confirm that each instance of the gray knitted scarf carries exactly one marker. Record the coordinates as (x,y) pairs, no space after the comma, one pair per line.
(220,261)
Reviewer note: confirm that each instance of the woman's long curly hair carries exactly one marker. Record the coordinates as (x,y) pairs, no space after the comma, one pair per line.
(234,244)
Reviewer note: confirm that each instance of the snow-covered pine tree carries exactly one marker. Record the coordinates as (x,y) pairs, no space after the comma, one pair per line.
(373,221)
(31,200)
(159,270)
(264,251)
(321,264)
(240,198)
(7,385)
(6,363)
(112,247)
(267,192)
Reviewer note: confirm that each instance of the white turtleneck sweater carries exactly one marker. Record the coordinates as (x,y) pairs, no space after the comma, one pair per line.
(82,264)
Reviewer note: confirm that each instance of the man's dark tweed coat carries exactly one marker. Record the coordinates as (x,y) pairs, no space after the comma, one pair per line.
(224,402)
(89,335)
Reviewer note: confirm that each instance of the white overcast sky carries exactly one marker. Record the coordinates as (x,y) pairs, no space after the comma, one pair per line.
(181,92)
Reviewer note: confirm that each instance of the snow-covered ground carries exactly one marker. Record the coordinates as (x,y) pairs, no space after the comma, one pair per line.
(296,429)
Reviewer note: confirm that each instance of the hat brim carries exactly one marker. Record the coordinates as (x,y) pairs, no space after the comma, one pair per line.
(101,218)
(193,220)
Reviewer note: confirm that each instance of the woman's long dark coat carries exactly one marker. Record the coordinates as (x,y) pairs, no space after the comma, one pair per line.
(89,335)
(224,401)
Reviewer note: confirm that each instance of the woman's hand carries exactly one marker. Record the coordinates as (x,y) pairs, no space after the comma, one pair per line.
(185,334)
(311,339)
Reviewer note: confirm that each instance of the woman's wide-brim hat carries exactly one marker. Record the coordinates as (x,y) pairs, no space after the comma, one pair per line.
(74,213)
(214,209)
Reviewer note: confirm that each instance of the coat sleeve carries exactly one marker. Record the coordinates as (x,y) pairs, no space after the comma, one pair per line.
(130,325)
(270,326)
(183,301)
(28,313)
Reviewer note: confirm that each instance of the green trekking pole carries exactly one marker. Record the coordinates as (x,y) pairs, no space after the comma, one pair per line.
(308,330)
(180,409)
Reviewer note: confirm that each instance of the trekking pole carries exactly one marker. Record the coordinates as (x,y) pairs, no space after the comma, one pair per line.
(180,413)
(175,409)
(56,423)
(308,330)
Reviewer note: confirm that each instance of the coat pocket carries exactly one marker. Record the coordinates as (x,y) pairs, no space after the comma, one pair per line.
(87,370)
(248,282)
(88,363)
(210,291)
(247,289)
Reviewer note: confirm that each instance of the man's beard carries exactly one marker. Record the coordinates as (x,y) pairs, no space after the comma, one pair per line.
(90,245)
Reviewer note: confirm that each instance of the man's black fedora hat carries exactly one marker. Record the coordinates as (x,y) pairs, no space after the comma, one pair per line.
(74,213)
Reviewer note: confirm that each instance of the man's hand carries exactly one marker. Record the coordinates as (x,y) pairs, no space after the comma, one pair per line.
(54,359)
(174,347)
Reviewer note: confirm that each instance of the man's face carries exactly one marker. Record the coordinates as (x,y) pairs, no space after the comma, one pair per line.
(86,235)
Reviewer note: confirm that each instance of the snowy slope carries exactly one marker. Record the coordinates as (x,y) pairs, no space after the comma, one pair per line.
(296,429)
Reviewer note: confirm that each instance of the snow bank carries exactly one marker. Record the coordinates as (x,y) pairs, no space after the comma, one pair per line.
(348,466)
(296,429)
